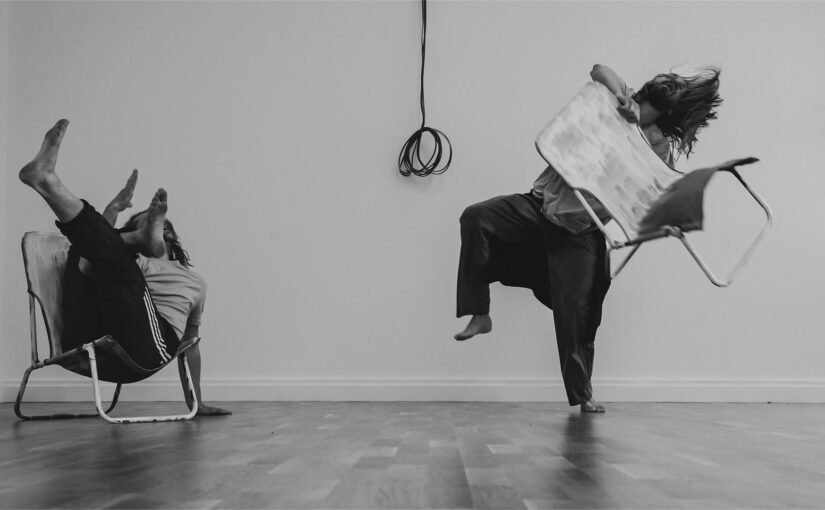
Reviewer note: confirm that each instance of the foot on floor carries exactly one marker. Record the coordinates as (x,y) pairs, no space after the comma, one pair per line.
(592,407)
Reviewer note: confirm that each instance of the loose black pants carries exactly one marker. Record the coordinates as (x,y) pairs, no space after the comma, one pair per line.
(114,298)
(507,239)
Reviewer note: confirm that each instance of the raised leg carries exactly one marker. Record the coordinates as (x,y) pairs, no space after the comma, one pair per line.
(40,175)
(486,228)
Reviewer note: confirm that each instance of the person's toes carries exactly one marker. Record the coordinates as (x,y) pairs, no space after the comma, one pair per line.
(591,407)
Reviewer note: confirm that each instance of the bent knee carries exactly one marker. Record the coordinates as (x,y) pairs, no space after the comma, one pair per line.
(473,214)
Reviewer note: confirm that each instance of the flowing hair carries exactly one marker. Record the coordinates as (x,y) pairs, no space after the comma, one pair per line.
(174,249)
(687,104)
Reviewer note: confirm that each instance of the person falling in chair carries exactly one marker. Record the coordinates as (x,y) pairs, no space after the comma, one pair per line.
(545,240)
(134,285)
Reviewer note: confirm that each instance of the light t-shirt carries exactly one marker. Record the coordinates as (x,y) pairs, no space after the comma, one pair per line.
(561,206)
(178,293)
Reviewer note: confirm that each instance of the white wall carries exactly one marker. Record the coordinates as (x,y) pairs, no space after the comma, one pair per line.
(4,102)
(275,128)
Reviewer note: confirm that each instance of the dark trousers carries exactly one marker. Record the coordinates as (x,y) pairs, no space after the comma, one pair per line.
(507,239)
(114,298)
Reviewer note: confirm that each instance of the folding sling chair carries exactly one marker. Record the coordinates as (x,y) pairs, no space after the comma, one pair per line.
(596,151)
(44,259)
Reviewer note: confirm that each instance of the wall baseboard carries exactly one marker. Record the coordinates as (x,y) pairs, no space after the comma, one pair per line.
(77,389)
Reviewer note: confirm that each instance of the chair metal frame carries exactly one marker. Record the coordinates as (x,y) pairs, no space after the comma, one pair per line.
(678,233)
(85,352)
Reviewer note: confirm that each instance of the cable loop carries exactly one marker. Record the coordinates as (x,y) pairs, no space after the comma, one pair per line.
(410,160)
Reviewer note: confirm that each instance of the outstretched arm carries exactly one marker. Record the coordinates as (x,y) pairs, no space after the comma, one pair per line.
(122,201)
(193,356)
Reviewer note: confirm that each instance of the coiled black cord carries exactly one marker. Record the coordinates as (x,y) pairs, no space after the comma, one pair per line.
(410,160)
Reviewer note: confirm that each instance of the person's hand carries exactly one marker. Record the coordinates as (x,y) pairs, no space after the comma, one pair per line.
(123,199)
(628,109)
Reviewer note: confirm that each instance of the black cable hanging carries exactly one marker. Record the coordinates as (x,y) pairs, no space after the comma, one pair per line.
(410,160)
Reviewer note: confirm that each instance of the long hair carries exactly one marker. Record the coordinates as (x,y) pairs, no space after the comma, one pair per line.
(687,104)
(174,249)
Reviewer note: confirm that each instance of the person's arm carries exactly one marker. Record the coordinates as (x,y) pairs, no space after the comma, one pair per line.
(609,78)
(628,108)
(122,201)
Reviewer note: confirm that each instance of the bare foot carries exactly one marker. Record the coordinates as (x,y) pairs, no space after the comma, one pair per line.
(205,410)
(478,325)
(123,199)
(151,232)
(592,407)
(39,172)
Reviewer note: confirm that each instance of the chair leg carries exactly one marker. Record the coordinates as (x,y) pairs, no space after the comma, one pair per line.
(622,264)
(90,348)
(59,416)
(703,266)
(728,280)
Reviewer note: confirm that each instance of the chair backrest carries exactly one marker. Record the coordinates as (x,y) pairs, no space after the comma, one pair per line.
(595,149)
(44,259)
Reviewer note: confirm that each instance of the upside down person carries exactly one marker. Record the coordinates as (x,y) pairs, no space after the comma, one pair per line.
(134,285)
(545,240)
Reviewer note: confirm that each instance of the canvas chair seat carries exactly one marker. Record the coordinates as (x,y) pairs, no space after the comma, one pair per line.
(598,153)
(114,364)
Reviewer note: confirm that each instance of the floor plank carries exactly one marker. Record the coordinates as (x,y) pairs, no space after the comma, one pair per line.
(421,455)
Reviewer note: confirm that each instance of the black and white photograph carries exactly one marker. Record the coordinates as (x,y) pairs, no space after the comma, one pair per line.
(412,254)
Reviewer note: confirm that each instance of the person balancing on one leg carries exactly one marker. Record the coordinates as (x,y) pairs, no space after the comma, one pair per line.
(545,240)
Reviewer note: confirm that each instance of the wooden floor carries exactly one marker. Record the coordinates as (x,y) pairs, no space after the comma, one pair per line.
(422,455)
